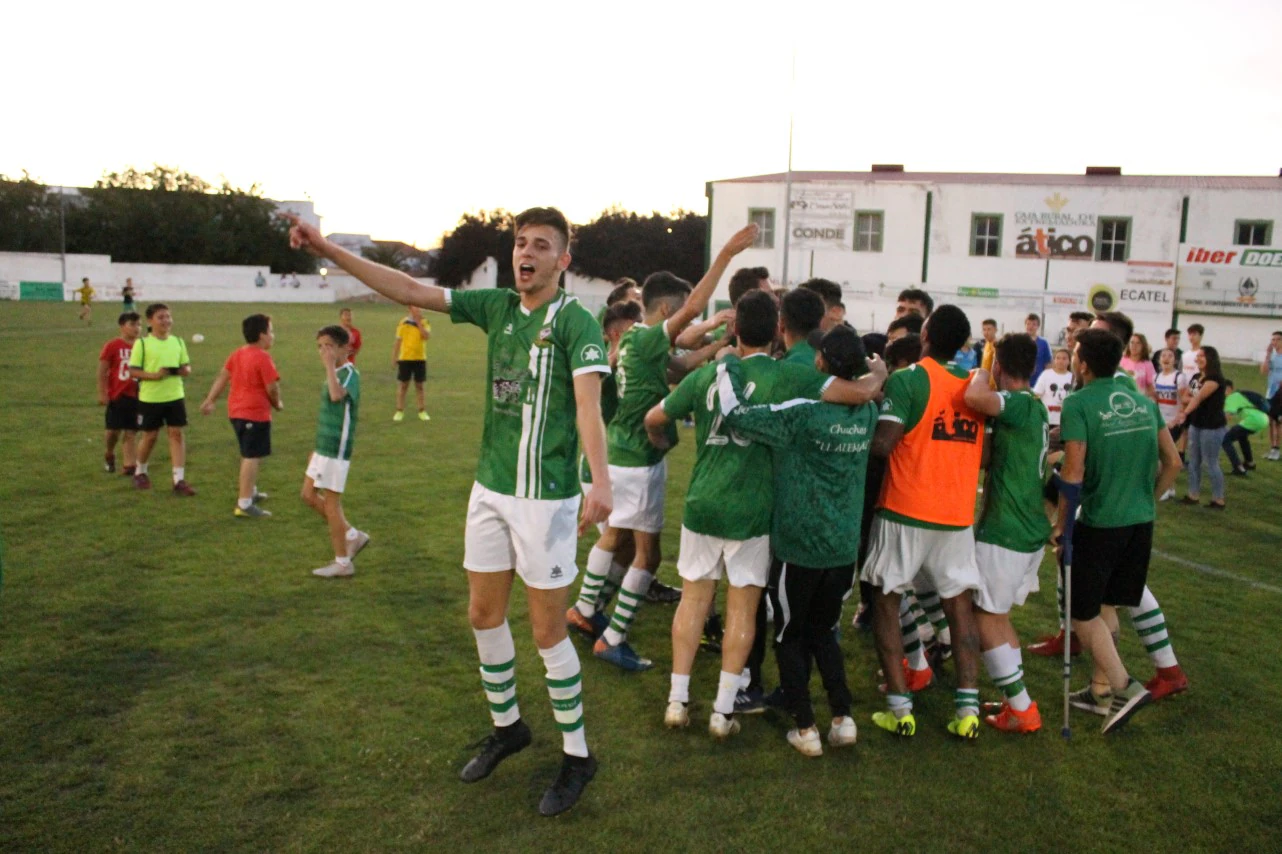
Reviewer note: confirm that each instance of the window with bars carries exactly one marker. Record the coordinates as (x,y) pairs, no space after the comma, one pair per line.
(1253,232)
(1113,239)
(868,231)
(986,235)
(764,218)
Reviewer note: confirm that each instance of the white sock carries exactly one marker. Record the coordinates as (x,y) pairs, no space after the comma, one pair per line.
(352,534)
(595,573)
(141,468)
(745,679)
(498,672)
(1150,623)
(1003,666)
(631,594)
(178,474)
(244,503)
(727,689)
(565,687)
(680,690)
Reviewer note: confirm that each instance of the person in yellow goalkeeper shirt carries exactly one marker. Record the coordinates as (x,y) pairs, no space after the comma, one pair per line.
(86,293)
(409,355)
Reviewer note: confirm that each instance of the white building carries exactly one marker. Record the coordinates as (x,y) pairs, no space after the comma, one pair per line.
(306,211)
(1005,245)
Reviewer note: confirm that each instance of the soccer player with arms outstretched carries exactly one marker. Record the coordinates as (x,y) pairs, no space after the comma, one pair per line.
(543,388)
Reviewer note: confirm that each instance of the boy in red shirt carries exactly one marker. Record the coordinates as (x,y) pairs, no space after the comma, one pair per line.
(255,392)
(353,334)
(119,393)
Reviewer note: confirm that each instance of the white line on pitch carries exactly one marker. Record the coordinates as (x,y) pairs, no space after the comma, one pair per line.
(1219,573)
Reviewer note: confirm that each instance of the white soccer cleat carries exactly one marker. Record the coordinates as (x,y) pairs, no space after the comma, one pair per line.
(843,732)
(354,546)
(1168,495)
(721,727)
(677,716)
(335,570)
(806,741)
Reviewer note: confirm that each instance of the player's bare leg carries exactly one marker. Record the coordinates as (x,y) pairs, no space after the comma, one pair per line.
(248,478)
(111,437)
(736,645)
(687,628)
(129,448)
(401,388)
(420,396)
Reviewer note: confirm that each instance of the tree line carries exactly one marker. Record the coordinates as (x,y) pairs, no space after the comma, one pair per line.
(169,216)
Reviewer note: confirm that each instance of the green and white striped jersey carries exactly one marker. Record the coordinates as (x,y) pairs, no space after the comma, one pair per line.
(531,437)
(336,427)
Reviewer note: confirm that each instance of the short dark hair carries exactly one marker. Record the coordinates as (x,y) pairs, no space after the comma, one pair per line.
(912,321)
(254,327)
(1017,354)
(85,279)
(1277,331)
(947,330)
(335,333)
(1082,316)
(1118,323)
(1213,367)
(918,295)
(622,287)
(127,317)
(802,310)
(1034,316)
(664,286)
(875,343)
(1168,333)
(988,321)
(903,352)
(1198,328)
(756,318)
(155,307)
(626,310)
(1101,350)
(746,279)
(842,351)
(829,292)
(344,310)
(545,216)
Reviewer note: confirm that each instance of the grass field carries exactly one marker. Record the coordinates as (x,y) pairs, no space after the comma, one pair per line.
(172,678)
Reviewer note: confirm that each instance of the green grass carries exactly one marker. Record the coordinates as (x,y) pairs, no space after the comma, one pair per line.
(172,678)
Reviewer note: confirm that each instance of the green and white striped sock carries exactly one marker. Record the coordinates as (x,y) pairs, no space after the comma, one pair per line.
(631,594)
(935,613)
(912,641)
(967,701)
(565,687)
(498,672)
(1150,623)
(594,575)
(611,585)
(1006,669)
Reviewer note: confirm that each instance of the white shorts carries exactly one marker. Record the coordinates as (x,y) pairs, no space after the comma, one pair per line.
(328,473)
(1006,577)
(898,553)
(539,539)
(745,563)
(638,493)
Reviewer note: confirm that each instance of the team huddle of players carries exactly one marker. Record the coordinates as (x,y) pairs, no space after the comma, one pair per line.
(813,465)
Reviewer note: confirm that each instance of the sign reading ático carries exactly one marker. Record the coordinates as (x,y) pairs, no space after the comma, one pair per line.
(1054,233)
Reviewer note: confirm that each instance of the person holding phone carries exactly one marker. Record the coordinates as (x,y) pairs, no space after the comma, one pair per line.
(159,363)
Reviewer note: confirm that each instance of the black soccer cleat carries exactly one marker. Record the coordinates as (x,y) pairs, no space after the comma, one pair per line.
(575,774)
(662,594)
(496,747)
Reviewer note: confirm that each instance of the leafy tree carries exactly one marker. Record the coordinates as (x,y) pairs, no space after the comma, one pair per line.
(389,255)
(621,243)
(28,216)
(476,237)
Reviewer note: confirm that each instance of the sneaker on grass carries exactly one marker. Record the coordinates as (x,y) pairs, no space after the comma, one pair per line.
(843,732)
(496,747)
(905,726)
(806,741)
(622,656)
(676,716)
(722,726)
(354,546)
(967,727)
(335,570)
(183,489)
(662,594)
(253,511)
(1125,704)
(1088,701)
(575,774)
(750,701)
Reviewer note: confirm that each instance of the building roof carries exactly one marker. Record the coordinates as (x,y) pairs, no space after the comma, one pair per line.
(1177,182)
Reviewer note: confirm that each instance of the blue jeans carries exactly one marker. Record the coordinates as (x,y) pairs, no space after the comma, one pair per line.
(1204,447)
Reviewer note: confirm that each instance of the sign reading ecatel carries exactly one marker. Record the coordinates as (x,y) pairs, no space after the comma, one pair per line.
(1055,232)
(1229,280)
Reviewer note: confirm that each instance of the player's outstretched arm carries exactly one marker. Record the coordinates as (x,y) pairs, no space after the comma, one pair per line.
(980,395)
(393,284)
(860,391)
(692,338)
(702,293)
(215,392)
(587,402)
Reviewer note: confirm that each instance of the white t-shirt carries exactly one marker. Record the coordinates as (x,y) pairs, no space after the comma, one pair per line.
(1188,362)
(1168,388)
(1052,388)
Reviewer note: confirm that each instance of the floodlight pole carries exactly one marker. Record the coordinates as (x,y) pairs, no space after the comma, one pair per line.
(787,191)
(62,224)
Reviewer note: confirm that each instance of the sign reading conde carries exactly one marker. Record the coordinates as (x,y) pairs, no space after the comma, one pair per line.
(822,219)
(1243,280)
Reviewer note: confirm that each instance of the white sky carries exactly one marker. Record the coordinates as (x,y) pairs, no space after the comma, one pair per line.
(396,118)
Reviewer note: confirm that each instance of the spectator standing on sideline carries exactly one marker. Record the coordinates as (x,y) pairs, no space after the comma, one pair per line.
(353,334)
(1173,344)
(1137,362)
(1271,367)
(255,392)
(409,355)
(1188,360)
(1204,414)
(1054,385)
(1170,385)
(1033,326)
(259,281)
(127,296)
(989,328)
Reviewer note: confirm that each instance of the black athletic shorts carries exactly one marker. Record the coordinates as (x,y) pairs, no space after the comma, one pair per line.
(1177,431)
(1275,406)
(255,438)
(1110,567)
(416,370)
(122,413)
(152,416)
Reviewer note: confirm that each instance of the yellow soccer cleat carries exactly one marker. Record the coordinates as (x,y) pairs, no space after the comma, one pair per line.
(905,726)
(967,727)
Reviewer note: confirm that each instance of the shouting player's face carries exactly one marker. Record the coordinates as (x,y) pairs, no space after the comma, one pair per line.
(538,258)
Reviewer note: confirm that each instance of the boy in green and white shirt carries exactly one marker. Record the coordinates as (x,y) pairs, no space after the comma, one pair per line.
(1012,528)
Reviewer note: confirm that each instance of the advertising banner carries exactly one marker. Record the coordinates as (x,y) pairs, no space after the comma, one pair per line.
(1243,280)
(1051,226)
(822,219)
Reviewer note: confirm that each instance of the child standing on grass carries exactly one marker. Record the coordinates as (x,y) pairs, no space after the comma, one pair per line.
(327,471)
(255,392)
